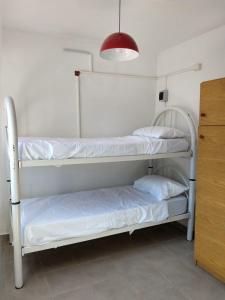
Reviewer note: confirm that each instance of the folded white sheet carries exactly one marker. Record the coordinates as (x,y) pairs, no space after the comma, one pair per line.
(31,148)
(88,212)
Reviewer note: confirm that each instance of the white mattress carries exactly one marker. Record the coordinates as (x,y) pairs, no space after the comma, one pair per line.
(31,148)
(177,205)
(90,212)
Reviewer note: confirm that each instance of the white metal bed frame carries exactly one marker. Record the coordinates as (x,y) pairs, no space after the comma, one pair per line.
(15,165)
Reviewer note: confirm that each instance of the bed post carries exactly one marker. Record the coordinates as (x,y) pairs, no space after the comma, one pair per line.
(192,186)
(192,176)
(14,184)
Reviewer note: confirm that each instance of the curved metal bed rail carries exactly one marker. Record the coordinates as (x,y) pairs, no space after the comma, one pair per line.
(177,173)
(189,121)
(192,173)
(11,128)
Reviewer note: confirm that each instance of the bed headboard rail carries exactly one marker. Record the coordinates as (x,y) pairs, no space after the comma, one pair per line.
(11,124)
(12,145)
(188,121)
(11,128)
(172,172)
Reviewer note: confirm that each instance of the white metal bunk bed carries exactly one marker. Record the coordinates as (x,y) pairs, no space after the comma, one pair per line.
(15,164)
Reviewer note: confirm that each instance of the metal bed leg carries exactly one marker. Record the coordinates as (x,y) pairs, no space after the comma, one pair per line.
(17,248)
(191,209)
(10,229)
(190,229)
(192,186)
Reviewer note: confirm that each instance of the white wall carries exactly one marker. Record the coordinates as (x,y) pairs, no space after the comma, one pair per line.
(39,76)
(0,31)
(3,187)
(184,89)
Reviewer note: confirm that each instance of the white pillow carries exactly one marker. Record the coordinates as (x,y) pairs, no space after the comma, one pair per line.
(159,132)
(160,187)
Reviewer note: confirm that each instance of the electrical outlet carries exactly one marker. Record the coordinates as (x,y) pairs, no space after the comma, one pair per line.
(163,96)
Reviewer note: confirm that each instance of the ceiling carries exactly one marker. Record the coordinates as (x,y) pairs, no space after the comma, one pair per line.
(158,24)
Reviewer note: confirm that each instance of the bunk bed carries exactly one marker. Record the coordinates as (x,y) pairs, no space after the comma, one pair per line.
(29,236)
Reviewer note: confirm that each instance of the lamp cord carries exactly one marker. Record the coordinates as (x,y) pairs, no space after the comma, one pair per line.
(119,13)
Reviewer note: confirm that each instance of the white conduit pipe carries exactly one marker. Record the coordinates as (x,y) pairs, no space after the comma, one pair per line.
(195,67)
(77,73)
(78,104)
(117,74)
(84,52)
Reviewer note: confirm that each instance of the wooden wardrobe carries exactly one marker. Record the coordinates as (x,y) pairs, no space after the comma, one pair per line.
(210,201)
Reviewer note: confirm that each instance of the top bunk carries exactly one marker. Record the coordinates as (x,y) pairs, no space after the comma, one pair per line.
(40,151)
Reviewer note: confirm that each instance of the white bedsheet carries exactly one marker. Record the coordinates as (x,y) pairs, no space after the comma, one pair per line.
(88,212)
(31,148)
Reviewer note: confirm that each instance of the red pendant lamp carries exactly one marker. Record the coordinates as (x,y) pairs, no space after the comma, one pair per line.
(119,46)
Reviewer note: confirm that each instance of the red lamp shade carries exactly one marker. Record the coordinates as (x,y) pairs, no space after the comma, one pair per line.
(119,46)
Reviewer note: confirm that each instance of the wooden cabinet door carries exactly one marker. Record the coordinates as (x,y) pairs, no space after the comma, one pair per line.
(212,102)
(210,201)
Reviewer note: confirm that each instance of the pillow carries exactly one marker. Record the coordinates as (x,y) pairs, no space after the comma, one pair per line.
(159,132)
(160,187)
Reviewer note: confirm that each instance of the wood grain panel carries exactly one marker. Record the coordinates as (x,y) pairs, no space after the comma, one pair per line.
(210,255)
(211,144)
(210,202)
(212,102)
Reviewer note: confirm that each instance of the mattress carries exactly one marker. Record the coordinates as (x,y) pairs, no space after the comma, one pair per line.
(177,206)
(85,213)
(31,148)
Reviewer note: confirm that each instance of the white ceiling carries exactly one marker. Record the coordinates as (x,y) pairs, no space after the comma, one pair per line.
(155,23)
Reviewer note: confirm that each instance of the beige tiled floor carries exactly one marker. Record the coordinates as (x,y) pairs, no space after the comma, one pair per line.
(155,264)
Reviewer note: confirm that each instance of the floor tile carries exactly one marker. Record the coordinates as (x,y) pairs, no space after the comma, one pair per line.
(179,246)
(141,273)
(178,272)
(88,293)
(204,288)
(57,258)
(78,276)
(152,264)
(35,288)
(158,255)
(115,288)
(170,293)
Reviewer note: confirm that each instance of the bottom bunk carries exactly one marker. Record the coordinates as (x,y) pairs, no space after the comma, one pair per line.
(47,221)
